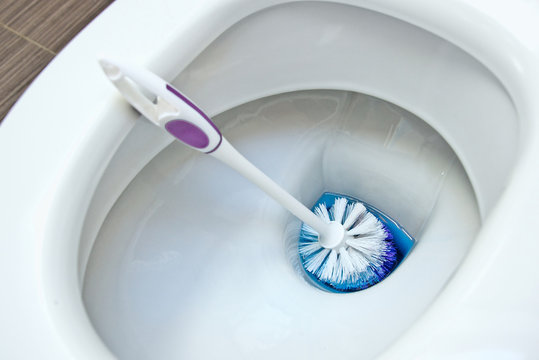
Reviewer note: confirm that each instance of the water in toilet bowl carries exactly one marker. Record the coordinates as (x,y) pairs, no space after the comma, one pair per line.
(192,260)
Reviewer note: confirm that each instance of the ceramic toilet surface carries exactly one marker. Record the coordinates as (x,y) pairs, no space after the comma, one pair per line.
(192,253)
(478,92)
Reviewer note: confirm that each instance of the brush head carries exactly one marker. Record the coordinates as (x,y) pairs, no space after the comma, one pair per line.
(366,255)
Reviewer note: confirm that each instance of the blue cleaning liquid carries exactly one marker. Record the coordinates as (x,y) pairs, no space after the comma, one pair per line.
(403,243)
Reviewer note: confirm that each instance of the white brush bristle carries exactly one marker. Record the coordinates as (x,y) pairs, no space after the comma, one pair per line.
(362,260)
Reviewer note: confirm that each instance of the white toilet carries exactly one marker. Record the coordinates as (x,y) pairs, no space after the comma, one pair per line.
(105,253)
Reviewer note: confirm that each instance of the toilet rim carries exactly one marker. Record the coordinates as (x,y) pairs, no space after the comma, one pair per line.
(49,293)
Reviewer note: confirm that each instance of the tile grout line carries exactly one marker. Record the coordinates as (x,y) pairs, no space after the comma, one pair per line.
(27,39)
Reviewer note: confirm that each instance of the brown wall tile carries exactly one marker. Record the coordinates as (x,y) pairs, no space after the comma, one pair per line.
(51,23)
(21,62)
(31,33)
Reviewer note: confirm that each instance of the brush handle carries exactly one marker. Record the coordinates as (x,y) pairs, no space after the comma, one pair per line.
(171,111)
(225,152)
(178,115)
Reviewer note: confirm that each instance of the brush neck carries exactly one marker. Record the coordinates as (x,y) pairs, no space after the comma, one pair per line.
(230,156)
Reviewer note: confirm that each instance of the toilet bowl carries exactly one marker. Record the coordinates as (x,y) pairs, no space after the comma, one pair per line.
(453,83)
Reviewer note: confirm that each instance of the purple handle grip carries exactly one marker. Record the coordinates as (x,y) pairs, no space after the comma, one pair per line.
(187,132)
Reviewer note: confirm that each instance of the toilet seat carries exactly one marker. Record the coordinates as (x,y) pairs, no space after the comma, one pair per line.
(42,218)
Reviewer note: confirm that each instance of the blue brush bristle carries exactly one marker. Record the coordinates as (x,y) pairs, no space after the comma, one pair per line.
(368,256)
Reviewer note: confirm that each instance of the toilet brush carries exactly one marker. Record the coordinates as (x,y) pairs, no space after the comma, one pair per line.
(343,245)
